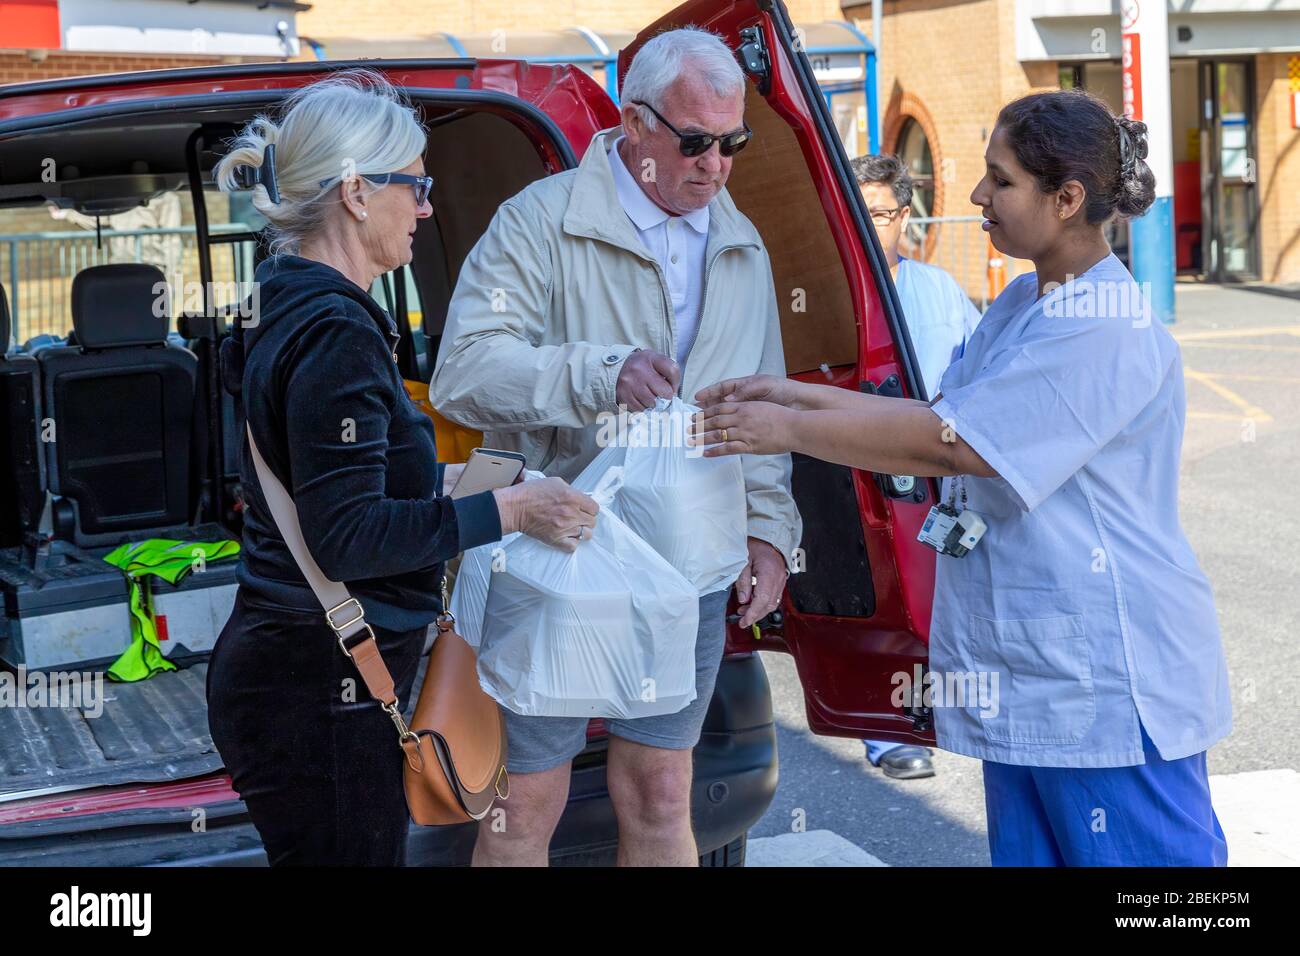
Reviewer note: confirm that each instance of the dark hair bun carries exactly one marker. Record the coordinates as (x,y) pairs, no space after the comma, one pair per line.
(1136,189)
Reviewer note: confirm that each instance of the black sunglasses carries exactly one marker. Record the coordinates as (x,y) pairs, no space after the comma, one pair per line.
(421,184)
(693,144)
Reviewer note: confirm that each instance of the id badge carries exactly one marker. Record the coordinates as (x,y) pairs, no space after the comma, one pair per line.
(950,531)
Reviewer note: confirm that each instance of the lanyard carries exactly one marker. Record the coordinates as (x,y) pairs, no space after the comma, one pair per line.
(953,482)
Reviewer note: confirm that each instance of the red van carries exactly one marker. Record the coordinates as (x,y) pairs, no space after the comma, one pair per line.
(140,783)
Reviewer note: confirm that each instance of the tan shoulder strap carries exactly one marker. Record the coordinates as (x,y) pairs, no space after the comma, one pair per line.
(343,612)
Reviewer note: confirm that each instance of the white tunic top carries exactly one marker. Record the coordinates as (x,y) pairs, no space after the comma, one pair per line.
(1083,603)
(940,317)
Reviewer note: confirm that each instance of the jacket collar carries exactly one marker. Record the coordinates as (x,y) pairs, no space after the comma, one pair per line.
(595,196)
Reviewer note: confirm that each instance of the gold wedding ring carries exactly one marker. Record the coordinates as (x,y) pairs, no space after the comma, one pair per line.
(724,435)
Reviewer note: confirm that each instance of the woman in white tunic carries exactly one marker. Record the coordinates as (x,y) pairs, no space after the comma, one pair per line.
(1061,426)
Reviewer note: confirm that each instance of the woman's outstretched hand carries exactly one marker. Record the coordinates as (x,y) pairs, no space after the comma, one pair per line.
(756,413)
(776,389)
(743,428)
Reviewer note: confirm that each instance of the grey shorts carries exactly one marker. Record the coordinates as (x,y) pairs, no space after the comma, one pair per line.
(540,743)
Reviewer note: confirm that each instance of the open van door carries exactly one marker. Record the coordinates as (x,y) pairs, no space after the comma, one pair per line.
(856,613)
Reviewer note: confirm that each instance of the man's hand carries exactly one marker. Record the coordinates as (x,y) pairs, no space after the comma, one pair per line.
(645,376)
(761,599)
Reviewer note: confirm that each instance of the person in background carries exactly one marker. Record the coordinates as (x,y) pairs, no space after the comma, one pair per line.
(940,318)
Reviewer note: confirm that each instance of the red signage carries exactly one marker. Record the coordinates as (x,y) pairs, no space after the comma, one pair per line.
(1131,64)
(30,24)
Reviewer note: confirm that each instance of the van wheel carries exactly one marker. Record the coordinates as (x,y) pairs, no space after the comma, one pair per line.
(733,854)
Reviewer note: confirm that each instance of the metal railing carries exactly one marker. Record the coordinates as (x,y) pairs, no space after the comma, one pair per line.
(961,248)
(38,269)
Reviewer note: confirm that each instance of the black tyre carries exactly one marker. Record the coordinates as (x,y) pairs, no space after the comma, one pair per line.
(733,854)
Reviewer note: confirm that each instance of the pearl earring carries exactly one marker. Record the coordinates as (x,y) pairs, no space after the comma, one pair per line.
(364,214)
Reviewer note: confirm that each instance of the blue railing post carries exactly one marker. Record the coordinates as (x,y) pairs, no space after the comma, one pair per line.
(873,108)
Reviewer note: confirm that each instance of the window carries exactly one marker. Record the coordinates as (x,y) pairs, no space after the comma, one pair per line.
(914,150)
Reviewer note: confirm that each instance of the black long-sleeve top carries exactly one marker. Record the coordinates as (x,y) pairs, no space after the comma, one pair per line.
(325,399)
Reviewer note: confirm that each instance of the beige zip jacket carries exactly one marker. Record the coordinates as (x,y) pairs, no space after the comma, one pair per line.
(560,290)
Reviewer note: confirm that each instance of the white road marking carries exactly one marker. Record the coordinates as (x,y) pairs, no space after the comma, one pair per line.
(1260,814)
(812,848)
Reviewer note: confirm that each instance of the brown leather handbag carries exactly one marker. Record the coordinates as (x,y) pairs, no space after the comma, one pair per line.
(455,745)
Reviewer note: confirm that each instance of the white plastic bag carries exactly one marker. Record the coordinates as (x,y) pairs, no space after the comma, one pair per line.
(469,593)
(689,508)
(605,631)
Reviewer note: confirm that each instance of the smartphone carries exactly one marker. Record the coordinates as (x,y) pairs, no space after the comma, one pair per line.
(487,469)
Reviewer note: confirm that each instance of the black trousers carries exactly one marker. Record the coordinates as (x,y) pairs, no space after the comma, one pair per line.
(311,753)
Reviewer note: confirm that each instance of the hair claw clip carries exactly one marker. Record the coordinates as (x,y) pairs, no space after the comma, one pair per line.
(249,176)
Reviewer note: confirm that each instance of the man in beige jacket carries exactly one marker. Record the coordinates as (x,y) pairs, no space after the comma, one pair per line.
(630,278)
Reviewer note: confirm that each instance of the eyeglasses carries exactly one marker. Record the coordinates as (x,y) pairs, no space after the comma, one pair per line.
(883,217)
(693,144)
(421,184)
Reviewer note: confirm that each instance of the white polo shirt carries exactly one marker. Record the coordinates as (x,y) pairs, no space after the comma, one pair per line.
(675,242)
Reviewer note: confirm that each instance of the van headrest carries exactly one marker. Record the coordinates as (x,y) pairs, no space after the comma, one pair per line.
(114,306)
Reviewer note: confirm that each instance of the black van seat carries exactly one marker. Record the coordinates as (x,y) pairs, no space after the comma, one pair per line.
(22,477)
(122,403)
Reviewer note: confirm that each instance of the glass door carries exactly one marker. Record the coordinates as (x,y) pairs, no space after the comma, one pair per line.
(1229,173)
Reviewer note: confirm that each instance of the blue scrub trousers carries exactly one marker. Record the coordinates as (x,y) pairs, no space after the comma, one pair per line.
(1155,814)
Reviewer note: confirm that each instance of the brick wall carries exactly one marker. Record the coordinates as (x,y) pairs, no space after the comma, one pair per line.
(380,18)
(16,67)
(950,66)
(1279,171)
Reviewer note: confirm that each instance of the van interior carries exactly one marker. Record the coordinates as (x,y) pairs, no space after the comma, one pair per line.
(114,424)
